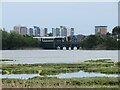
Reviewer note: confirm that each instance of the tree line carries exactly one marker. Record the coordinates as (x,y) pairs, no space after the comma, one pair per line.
(111,41)
(105,42)
(13,40)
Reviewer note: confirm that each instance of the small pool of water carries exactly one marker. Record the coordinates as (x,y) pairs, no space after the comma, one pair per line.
(79,74)
(19,76)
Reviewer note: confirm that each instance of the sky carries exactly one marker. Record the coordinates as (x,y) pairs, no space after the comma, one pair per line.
(83,16)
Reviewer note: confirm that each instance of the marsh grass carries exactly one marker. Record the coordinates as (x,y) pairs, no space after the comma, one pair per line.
(44,82)
(102,66)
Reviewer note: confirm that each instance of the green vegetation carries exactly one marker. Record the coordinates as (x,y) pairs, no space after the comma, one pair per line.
(103,42)
(116,30)
(103,66)
(53,82)
(100,42)
(13,40)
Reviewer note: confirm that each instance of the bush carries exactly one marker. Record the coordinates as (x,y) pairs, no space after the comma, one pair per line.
(16,41)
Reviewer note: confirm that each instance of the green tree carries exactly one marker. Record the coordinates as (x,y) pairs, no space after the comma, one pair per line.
(111,43)
(5,40)
(14,41)
(116,30)
(92,41)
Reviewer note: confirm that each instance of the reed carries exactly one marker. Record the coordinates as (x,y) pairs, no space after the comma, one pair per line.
(102,66)
(47,82)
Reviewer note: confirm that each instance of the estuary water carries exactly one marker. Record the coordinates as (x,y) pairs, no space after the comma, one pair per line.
(57,56)
(79,74)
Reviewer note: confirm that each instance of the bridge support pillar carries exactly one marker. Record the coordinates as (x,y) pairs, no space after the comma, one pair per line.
(78,48)
(67,48)
(72,48)
(61,48)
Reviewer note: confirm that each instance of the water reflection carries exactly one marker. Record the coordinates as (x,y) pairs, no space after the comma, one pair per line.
(79,74)
(20,76)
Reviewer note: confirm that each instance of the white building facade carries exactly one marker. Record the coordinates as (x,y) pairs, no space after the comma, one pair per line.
(63,31)
(20,30)
(56,31)
(70,31)
(43,32)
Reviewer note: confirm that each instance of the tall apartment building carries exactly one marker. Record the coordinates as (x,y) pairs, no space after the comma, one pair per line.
(101,30)
(20,30)
(30,32)
(70,31)
(63,31)
(56,31)
(43,32)
(37,31)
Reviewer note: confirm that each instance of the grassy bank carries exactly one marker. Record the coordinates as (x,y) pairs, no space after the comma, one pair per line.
(103,66)
(50,82)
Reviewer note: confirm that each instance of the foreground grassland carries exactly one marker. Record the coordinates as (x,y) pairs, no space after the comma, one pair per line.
(103,66)
(53,82)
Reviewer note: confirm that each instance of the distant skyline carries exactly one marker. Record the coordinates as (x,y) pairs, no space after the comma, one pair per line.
(83,16)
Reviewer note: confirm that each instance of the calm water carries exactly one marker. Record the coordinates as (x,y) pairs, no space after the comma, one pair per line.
(79,74)
(57,56)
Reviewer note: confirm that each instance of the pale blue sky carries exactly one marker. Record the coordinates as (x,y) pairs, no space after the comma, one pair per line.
(81,16)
